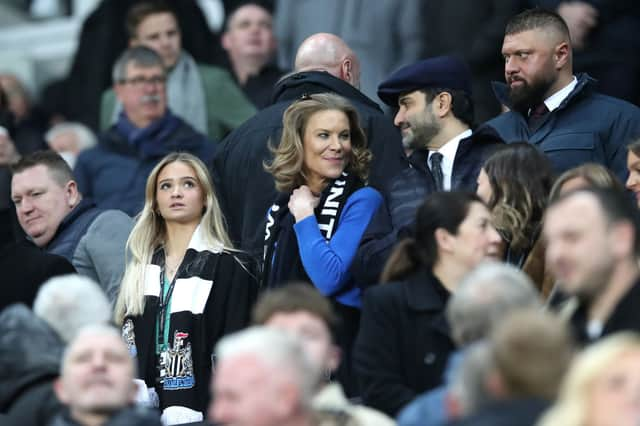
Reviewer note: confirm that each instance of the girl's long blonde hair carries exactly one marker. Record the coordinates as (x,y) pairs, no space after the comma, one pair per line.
(149,234)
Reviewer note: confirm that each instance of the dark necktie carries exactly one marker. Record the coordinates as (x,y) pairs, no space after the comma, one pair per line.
(435,163)
(536,115)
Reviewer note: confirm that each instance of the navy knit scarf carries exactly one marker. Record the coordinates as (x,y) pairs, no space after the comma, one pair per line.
(150,141)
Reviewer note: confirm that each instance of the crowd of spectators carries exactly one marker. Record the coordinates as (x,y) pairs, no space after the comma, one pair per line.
(328,213)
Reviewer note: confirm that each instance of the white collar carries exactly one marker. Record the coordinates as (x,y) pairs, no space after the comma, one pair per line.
(448,151)
(554,101)
(199,242)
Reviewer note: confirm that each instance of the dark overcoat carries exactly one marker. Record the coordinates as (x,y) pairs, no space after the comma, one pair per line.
(404,341)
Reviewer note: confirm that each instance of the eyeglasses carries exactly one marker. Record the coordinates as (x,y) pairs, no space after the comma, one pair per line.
(142,81)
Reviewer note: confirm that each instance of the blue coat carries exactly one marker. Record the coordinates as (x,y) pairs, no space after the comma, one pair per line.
(586,127)
(114,173)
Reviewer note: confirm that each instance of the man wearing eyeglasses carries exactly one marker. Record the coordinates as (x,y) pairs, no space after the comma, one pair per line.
(204,96)
(114,172)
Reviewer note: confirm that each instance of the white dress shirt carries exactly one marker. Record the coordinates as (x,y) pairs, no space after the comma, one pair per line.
(448,151)
(554,101)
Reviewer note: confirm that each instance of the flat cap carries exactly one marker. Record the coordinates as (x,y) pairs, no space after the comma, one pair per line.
(447,72)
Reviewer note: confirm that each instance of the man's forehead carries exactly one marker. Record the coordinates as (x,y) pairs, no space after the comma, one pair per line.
(33,176)
(577,208)
(89,343)
(536,37)
(299,318)
(410,95)
(135,69)
(248,13)
(166,18)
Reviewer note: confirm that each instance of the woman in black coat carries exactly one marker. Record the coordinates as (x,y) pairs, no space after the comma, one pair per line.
(404,339)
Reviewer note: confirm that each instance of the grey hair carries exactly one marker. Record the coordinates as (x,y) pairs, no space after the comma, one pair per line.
(97,329)
(69,302)
(278,349)
(139,55)
(469,381)
(85,137)
(484,297)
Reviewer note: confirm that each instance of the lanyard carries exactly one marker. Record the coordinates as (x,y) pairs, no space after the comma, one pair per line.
(163,306)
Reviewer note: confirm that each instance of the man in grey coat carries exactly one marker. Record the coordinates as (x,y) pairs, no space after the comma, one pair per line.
(57,219)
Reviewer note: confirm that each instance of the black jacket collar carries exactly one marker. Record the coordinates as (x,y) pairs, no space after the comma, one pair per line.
(310,82)
(625,316)
(424,292)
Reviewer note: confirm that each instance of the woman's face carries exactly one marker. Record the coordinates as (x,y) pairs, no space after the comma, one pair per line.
(327,147)
(633,181)
(179,195)
(475,239)
(614,397)
(484,190)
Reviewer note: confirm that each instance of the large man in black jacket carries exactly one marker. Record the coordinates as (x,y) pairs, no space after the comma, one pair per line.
(324,64)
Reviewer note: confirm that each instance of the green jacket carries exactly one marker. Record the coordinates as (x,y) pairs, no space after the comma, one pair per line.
(227,105)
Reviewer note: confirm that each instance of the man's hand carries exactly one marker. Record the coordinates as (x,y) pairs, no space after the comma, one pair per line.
(581,18)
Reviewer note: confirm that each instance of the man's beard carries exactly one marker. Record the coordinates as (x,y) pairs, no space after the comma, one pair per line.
(529,95)
(422,133)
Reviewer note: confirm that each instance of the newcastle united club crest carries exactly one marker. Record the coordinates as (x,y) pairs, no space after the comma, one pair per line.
(176,364)
(129,337)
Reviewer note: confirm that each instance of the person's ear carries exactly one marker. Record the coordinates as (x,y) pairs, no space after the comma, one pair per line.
(562,54)
(346,69)
(72,193)
(226,43)
(444,240)
(58,389)
(621,240)
(334,357)
(496,386)
(442,103)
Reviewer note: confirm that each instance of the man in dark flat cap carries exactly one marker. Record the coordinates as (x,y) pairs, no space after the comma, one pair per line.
(435,115)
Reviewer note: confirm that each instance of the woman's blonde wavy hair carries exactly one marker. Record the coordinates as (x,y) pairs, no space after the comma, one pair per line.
(287,166)
(571,407)
(149,233)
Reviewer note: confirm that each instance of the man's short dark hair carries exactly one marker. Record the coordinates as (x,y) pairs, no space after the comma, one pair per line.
(461,102)
(139,12)
(266,5)
(295,297)
(59,169)
(616,206)
(533,19)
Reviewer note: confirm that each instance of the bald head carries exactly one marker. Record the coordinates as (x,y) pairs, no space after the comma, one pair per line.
(329,53)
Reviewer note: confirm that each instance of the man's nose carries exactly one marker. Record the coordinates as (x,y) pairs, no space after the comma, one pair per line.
(510,66)
(399,119)
(25,206)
